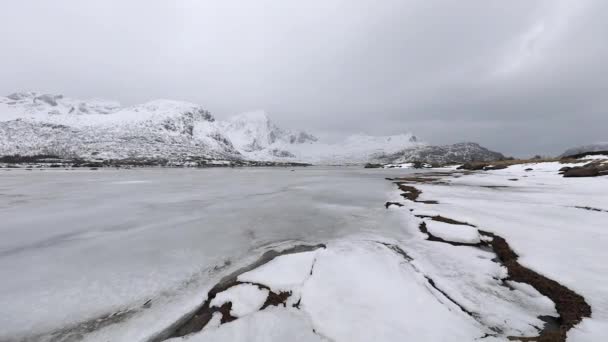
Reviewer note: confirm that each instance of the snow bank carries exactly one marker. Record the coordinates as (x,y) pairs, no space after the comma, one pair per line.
(556,225)
(245,299)
(365,292)
(283,273)
(453,233)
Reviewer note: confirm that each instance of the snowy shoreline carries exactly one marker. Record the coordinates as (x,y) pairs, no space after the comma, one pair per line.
(547,230)
(563,323)
(570,306)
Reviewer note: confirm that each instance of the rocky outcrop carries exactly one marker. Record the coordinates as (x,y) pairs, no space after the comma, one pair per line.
(592,149)
(441,155)
(592,169)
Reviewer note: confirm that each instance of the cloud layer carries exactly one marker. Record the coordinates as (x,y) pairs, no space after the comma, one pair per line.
(522,77)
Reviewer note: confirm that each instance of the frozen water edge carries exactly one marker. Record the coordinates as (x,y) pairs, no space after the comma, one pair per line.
(77,248)
(367,287)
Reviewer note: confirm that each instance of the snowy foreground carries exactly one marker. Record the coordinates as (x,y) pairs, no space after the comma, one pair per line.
(556,225)
(131,255)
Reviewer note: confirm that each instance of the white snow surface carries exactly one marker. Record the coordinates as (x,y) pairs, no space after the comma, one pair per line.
(363,292)
(245,299)
(284,273)
(556,225)
(359,289)
(453,233)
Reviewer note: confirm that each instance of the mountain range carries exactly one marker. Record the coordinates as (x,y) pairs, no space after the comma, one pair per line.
(45,124)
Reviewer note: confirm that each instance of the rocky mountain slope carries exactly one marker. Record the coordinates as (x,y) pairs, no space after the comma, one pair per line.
(439,155)
(597,147)
(32,123)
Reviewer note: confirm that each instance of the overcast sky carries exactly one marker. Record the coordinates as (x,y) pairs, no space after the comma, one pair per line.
(519,76)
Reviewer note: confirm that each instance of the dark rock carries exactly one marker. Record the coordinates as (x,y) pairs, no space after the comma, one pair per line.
(373,166)
(581,151)
(472,166)
(442,155)
(590,171)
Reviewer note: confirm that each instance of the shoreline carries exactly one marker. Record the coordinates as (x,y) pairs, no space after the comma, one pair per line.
(571,306)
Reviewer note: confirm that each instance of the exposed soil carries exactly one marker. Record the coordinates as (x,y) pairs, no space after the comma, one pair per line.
(571,307)
(412,193)
(276,299)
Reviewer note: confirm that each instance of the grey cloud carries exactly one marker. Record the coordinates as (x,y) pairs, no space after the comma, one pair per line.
(522,77)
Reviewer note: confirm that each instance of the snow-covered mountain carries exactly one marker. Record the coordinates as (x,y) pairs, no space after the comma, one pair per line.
(33,123)
(258,138)
(254,134)
(439,155)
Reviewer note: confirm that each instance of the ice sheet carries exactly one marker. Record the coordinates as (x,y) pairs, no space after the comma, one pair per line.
(81,245)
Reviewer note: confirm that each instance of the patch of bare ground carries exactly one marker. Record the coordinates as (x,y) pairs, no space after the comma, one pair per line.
(412,193)
(200,318)
(571,307)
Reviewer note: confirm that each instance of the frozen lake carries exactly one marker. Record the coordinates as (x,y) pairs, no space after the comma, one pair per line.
(81,244)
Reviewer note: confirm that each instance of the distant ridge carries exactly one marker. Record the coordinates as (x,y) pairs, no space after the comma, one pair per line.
(33,123)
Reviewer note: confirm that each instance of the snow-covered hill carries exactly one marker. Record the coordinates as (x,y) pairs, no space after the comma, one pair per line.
(597,147)
(34,123)
(440,155)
